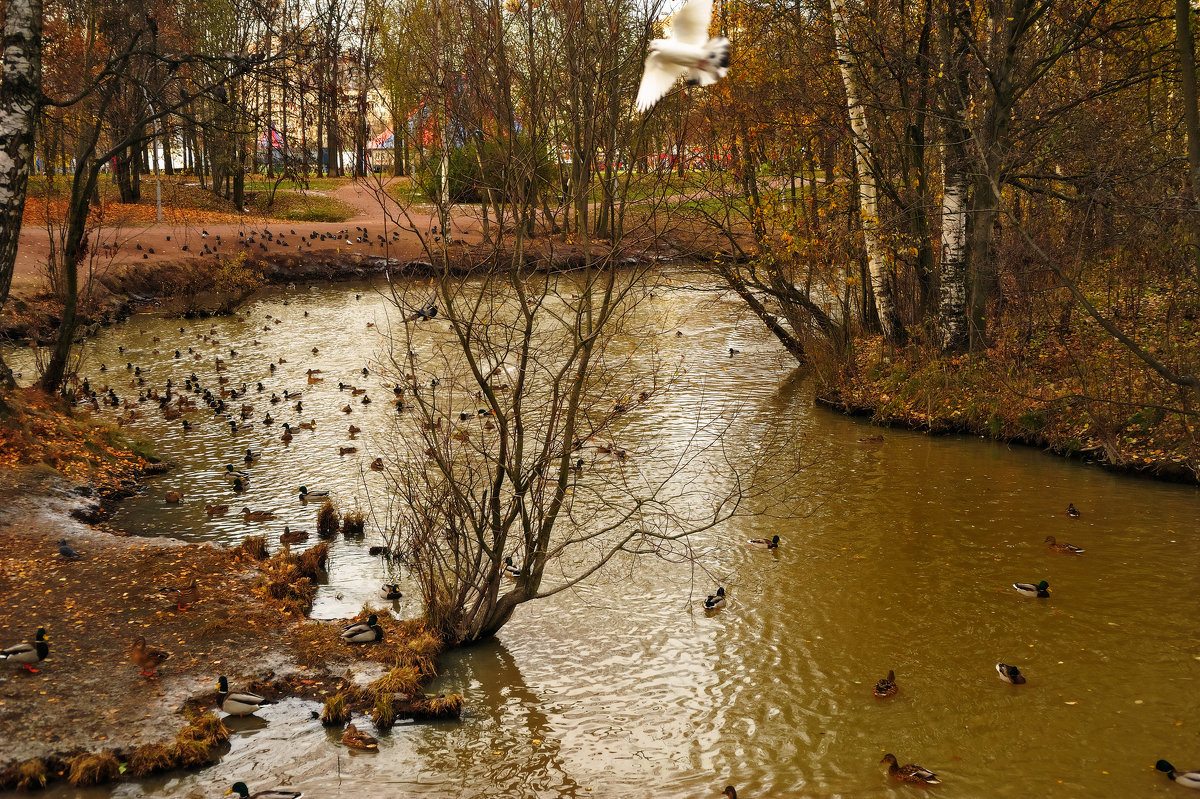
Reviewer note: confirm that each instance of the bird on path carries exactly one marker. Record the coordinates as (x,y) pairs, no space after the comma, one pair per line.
(689,51)
(66,551)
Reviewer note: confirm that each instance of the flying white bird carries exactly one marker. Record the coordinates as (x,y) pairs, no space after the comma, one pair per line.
(689,51)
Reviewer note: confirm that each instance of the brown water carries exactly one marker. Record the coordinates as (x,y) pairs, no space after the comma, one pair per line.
(624,688)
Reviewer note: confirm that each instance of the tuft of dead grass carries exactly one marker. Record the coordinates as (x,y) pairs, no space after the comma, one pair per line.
(197,743)
(354,524)
(28,775)
(383,715)
(400,680)
(150,759)
(327,520)
(335,713)
(446,705)
(255,546)
(87,770)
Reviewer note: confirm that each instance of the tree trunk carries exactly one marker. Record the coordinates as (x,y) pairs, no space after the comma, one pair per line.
(20,89)
(953,327)
(1185,44)
(889,319)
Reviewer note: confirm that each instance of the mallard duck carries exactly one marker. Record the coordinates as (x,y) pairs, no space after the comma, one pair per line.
(511,570)
(310,425)
(1073,512)
(145,658)
(238,703)
(26,654)
(763,543)
(257,515)
(730,791)
(306,494)
(1188,779)
(347,450)
(1068,549)
(390,591)
(910,772)
(244,793)
(716,600)
(232,473)
(377,465)
(291,536)
(216,510)
(182,595)
(1029,589)
(174,497)
(353,430)
(363,632)
(887,686)
(1010,674)
(359,739)
(251,456)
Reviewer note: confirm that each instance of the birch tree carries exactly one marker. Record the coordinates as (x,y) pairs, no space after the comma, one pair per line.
(889,318)
(20,95)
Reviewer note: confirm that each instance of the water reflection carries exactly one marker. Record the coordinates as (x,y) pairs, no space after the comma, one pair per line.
(898,553)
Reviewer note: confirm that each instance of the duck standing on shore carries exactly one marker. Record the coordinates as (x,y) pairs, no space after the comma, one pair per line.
(145,658)
(26,654)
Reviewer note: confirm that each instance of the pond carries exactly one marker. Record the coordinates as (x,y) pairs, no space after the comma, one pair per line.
(898,553)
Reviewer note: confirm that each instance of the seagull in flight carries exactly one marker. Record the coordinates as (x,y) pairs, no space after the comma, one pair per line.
(689,51)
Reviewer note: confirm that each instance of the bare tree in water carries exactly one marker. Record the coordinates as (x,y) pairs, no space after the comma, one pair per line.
(526,456)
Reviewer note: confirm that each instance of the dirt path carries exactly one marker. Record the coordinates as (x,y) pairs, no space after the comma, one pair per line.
(120,245)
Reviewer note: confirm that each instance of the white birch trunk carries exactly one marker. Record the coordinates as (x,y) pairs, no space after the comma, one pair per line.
(953,323)
(868,197)
(952,293)
(20,90)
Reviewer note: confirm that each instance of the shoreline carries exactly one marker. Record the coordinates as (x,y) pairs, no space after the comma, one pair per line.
(249,623)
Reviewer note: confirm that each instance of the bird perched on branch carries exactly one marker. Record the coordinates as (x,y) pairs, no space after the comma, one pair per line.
(689,51)
(421,314)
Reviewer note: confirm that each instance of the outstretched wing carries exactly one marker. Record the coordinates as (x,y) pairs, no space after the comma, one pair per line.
(657,80)
(690,23)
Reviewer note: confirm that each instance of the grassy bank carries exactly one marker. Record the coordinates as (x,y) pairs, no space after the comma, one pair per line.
(1078,396)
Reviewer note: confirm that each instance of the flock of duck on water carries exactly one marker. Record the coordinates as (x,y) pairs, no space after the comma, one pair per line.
(173,404)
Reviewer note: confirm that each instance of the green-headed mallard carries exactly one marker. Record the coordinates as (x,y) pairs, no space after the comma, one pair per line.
(511,570)
(26,654)
(231,473)
(145,658)
(306,494)
(763,543)
(1188,779)
(238,703)
(363,632)
(390,591)
(182,595)
(715,601)
(1065,548)
(1030,589)
(1010,674)
(244,793)
(887,686)
(910,772)
(360,739)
